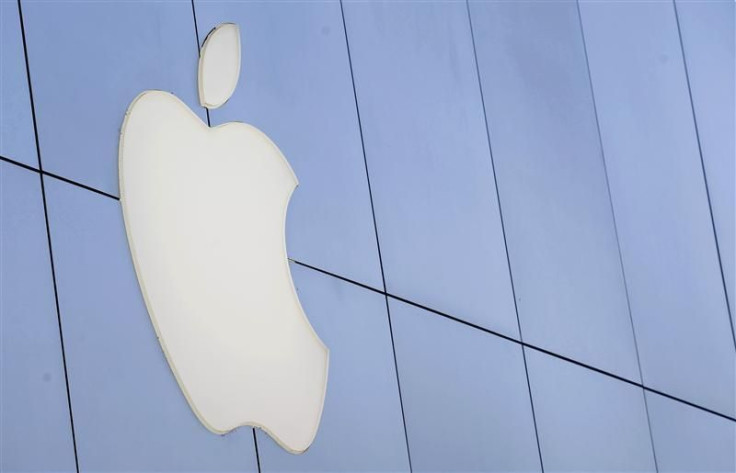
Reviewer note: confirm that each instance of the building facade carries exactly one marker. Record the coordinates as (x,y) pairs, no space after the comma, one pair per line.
(514,230)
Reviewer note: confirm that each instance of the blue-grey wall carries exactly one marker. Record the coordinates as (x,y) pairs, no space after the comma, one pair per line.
(514,230)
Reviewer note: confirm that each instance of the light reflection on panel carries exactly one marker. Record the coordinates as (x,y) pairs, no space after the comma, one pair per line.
(88,61)
(465,396)
(17,141)
(361,428)
(129,413)
(688,439)
(708,40)
(659,198)
(552,183)
(588,421)
(33,401)
(428,158)
(295,86)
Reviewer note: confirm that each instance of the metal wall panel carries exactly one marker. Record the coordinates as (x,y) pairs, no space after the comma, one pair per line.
(464,391)
(295,85)
(428,159)
(669,253)
(552,183)
(35,431)
(707,30)
(361,428)
(129,412)
(465,395)
(588,421)
(17,140)
(88,61)
(688,439)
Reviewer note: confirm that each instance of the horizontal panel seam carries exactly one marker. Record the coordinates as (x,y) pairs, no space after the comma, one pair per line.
(428,309)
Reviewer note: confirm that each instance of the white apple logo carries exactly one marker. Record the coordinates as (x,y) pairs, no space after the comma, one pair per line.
(205,214)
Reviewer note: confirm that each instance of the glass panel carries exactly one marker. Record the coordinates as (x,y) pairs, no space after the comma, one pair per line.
(428,157)
(551,177)
(668,249)
(36,433)
(588,421)
(688,439)
(465,396)
(17,141)
(708,38)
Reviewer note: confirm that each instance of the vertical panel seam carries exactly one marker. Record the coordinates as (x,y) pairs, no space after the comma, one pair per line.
(615,229)
(255,443)
(375,228)
(702,167)
(196,35)
(48,236)
(503,232)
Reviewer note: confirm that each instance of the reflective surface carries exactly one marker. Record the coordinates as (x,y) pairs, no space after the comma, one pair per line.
(659,198)
(453,375)
(586,421)
(17,140)
(33,402)
(428,159)
(441,238)
(686,439)
(707,30)
(552,182)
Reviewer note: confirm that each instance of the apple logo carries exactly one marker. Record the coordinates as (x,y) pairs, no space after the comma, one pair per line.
(205,215)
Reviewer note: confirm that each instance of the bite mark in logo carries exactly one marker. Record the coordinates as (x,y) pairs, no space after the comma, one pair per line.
(205,214)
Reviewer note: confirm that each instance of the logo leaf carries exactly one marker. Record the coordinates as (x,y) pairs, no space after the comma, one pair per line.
(219,65)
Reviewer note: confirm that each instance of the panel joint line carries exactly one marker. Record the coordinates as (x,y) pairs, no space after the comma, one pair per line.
(503,232)
(48,237)
(375,228)
(615,228)
(705,175)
